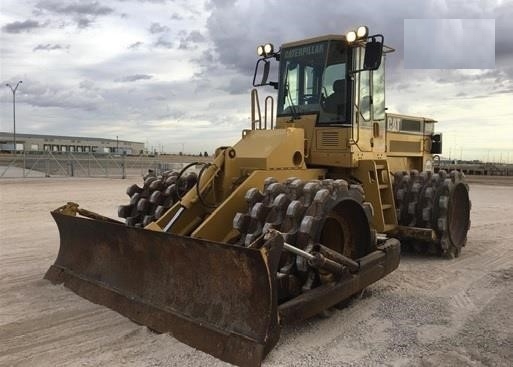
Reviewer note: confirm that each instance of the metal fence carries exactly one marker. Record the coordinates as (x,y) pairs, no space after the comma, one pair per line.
(479,169)
(73,164)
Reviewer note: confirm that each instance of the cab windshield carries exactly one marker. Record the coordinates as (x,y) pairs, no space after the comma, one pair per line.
(314,80)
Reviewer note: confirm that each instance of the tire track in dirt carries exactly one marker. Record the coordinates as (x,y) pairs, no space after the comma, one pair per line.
(462,300)
(21,340)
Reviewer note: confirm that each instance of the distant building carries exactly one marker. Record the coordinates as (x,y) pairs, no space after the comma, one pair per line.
(57,143)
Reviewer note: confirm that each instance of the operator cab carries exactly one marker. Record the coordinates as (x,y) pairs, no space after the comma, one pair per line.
(314,79)
(337,78)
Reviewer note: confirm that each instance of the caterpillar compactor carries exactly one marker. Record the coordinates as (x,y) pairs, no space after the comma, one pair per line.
(302,213)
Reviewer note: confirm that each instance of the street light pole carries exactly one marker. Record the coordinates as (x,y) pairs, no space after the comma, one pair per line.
(13,90)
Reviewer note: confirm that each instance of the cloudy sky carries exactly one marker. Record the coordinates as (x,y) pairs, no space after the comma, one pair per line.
(173,72)
(460,43)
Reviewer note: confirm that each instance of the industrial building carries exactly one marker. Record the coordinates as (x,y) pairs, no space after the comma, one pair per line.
(57,143)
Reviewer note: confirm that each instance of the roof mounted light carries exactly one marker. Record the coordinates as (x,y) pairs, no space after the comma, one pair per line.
(266,50)
(351,36)
(362,31)
(360,34)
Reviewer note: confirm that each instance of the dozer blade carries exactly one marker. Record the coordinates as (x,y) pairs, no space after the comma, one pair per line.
(215,297)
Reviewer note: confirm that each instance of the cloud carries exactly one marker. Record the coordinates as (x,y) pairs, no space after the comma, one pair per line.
(191,40)
(134,78)
(220,4)
(118,76)
(74,7)
(237,85)
(83,22)
(236,30)
(449,43)
(188,40)
(158,28)
(163,42)
(50,47)
(240,28)
(43,95)
(25,26)
(504,31)
(135,45)
(153,1)
(83,13)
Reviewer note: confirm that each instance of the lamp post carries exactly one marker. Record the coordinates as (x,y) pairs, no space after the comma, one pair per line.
(13,90)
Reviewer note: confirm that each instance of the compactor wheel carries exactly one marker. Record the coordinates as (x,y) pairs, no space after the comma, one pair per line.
(158,194)
(330,212)
(439,201)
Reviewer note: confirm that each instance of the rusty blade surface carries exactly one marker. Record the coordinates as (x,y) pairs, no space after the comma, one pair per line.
(215,297)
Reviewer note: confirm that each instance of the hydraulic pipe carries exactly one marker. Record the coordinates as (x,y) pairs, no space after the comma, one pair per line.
(192,196)
(317,260)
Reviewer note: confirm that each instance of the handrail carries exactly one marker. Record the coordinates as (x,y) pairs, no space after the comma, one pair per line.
(256,114)
(266,107)
(255,108)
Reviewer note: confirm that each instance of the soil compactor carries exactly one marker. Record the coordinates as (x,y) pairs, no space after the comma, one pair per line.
(298,216)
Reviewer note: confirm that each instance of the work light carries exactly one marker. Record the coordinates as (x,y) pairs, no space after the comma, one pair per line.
(351,36)
(362,31)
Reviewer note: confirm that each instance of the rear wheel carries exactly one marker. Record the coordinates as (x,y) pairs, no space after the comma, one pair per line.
(453,215)
(439,201)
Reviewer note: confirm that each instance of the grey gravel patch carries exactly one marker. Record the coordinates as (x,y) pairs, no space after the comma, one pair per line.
(451,358)
(408,313)
(486,337)
(393,322)
(414,309)
(488,341)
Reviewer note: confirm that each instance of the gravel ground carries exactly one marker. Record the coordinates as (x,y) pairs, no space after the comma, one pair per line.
(429,312)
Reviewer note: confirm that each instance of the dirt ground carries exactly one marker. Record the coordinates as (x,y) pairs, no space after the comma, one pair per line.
(430,312)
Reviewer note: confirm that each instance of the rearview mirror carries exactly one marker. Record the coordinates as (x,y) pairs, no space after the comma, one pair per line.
(262,69)
(265,74)
(373,53)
